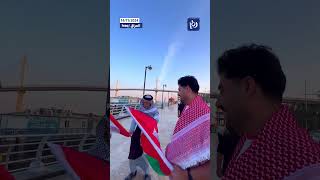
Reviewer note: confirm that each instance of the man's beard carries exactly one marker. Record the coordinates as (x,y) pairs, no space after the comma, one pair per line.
(236,124)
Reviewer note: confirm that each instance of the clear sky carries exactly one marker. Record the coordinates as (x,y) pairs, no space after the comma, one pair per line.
(291,28)
(163,42)
(65,42)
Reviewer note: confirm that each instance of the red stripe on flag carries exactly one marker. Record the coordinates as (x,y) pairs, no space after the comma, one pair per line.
(4,174)
(149,126)
(122,130)
(81,165)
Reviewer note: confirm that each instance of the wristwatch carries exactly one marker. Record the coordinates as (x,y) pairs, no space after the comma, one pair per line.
(189,174)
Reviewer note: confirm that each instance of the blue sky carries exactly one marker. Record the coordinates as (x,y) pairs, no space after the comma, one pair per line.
(163,42)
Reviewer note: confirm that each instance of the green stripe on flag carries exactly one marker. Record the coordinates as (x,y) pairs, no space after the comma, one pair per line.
(155,165)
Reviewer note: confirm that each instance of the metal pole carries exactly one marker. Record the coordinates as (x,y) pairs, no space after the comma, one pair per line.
(162,96)
(306,101)
(145,76)
(305,95)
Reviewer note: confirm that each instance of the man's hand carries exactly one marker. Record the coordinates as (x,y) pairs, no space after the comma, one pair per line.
(178,173)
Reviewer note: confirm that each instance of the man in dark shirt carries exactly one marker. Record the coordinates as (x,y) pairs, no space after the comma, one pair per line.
(180,108)
(227,143)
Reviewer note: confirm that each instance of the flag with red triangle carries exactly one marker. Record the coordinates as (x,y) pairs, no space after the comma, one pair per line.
(150,142)
(115,126)
(81,165)
(4,174)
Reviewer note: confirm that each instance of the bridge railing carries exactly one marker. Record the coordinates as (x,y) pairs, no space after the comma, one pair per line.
(21,152)
(119,110)
(12,131)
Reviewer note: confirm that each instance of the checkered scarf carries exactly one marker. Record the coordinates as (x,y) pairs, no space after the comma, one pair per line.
(190,144)
(101,149)
(280,149)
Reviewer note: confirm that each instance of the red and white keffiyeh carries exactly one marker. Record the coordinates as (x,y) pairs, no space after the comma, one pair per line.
(190,144)
(279,150)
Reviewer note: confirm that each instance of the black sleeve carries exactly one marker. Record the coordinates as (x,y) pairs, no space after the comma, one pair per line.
(221,146)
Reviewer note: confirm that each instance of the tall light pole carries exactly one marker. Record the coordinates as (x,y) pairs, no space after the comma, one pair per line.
(145,77)
(163,86)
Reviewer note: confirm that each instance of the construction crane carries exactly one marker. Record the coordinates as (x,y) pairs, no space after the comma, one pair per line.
(21,92)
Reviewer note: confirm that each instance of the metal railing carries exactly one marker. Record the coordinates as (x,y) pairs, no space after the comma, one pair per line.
(20,152)
(11,131)
(119,110)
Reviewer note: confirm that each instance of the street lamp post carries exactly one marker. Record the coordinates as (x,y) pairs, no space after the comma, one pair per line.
(163,86)
(145,77)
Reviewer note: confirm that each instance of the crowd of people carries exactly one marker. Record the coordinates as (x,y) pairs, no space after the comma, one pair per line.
(261,140)
(191,108)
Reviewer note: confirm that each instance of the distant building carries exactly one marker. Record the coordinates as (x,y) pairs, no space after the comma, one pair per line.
(44,120)
(124,100)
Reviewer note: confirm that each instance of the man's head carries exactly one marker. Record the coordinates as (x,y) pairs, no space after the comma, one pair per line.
(188,88)
(147,101)
(249,75)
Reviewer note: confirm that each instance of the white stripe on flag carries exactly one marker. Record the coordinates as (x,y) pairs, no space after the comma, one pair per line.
(151,141)
(114,128)
(58,152)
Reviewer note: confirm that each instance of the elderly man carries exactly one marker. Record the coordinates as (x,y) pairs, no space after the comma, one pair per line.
(136,158)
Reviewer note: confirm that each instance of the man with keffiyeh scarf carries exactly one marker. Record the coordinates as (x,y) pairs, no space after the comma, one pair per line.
(189,149)
(136,157)
(272,144)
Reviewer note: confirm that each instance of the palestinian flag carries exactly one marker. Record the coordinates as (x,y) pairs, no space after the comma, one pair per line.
(115,126)
(4,174)
(150,142)
(80,165)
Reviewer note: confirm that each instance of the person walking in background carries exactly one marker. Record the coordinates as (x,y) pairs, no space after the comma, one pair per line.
(227,142)
(136,158)
(180,108)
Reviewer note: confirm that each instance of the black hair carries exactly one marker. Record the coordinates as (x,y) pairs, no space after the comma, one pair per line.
(258,62)
(190,81)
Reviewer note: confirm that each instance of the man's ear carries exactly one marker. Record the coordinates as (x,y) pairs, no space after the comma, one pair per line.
(249,86)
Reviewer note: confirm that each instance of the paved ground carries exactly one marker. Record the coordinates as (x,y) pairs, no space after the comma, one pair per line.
(120,145)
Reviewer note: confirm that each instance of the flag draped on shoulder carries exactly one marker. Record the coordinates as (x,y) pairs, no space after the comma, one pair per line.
(115,126)
(80,165)
(190,144)
(150,142)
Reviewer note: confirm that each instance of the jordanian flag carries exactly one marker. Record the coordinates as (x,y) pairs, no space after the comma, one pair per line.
(80,165)
(115,126)
(150,142)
